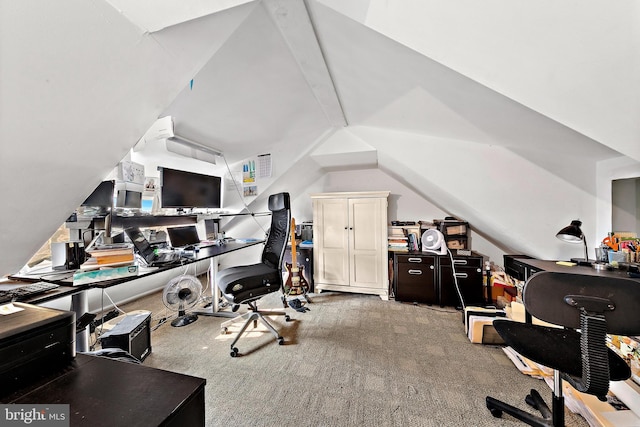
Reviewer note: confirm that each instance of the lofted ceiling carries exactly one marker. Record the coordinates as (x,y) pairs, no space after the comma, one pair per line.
(310,80)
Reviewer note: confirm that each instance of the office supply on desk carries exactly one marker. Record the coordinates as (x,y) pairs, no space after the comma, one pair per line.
(150,257)
(248,283)
(595,305)
(25,292)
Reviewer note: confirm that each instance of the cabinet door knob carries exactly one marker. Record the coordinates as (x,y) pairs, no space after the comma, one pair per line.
(415,272)
(432,267)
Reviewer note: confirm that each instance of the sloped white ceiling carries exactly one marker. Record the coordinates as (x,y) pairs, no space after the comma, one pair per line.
(82,81)
(251,93)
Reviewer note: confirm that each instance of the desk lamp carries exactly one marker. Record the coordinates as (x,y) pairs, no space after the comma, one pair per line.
(572,233)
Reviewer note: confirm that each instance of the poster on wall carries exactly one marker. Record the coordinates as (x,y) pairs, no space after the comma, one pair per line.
(264,166)
(250,190)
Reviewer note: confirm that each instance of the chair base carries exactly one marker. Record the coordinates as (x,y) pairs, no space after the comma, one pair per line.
(548,418)
(252,317)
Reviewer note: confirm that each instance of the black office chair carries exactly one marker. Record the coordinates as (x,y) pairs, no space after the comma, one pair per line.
(246,284)
(588,307)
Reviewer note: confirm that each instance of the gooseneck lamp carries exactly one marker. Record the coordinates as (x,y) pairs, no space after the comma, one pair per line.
(572,233)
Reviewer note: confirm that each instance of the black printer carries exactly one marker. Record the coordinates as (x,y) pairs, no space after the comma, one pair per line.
(34,341)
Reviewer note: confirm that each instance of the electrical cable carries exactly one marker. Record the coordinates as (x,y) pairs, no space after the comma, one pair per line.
(455,279)
(236,186)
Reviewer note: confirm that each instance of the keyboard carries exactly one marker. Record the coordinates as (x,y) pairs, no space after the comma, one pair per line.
(25,292)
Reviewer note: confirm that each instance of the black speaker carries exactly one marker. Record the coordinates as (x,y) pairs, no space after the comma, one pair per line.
(132,334)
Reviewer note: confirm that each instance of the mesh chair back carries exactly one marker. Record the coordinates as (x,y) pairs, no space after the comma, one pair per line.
(280,207)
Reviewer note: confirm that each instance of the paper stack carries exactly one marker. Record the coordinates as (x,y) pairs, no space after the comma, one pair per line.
(108,256)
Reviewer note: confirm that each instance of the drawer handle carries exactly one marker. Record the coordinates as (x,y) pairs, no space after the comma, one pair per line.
(460,261)
(414,259)
(462,275)
(415,272)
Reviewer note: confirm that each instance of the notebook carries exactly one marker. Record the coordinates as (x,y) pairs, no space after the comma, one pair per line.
(146,251)
(181,237)
(187,238)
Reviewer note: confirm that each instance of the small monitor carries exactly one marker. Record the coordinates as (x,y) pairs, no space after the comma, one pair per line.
(183,236)
(129,199)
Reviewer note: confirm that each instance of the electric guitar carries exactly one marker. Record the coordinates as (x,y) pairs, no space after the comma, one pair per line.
(296,283)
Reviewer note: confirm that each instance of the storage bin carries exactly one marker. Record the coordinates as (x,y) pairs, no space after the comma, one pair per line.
(618,257)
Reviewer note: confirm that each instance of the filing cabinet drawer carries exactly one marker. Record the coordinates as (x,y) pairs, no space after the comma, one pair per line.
(469,276)
(416,279)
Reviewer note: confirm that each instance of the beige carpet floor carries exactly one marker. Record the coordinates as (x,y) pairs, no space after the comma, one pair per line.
(352,360)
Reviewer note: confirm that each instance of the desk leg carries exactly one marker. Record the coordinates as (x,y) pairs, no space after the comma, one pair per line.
(214,308)
(80,305)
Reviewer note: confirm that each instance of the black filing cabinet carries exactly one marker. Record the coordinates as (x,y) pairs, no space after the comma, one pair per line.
(415,278)
(428,278)
(468,270)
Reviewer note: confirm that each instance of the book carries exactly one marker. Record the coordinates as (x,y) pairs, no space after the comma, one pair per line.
(81,277)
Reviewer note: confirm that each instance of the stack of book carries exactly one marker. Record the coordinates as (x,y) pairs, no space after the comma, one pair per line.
(403,238)
(108,256)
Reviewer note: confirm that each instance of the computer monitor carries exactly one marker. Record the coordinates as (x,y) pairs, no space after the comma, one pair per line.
(183,236)
(101,197)
(182,189)
(128,199)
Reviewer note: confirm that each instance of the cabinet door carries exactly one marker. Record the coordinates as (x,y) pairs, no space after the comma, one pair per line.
(469,271)
(331,241)
(368,234)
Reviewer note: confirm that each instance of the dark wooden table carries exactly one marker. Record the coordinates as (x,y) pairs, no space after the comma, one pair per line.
(113,393)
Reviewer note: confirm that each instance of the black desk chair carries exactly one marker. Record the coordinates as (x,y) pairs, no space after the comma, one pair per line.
(596,305)
(246,284)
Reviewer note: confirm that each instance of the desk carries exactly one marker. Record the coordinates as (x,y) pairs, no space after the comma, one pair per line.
(79,302)
(106,392)
(533,266)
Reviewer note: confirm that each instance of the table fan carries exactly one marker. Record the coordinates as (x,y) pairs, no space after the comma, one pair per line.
(182,293)
(433,242)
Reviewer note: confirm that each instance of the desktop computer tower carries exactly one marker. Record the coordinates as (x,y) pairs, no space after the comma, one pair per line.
(132,334)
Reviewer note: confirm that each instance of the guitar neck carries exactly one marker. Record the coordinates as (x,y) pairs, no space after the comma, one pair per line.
(294,252)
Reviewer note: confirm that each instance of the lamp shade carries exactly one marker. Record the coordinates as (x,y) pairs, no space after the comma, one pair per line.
(572,233)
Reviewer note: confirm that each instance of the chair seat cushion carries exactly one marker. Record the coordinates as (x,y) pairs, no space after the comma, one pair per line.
(555,348)
(247,282)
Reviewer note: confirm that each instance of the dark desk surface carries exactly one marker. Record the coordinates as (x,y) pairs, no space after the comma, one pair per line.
(106,392)
(66,287)
(576,269)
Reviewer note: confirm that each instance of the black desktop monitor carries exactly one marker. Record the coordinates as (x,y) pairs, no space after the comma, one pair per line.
(182,189)
(102,196)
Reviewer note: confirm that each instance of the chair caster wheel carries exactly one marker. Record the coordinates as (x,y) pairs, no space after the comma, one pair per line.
(287,318)
(224,331)
(234,352)
(497,413)
(280,341)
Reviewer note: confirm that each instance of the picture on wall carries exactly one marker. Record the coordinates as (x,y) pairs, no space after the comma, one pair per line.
(250,190)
